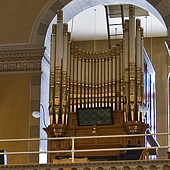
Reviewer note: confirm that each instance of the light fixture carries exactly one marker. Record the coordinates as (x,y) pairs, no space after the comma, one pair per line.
(37,114)
(143,108)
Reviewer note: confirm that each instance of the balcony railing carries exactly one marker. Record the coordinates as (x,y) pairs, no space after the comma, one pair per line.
(73,150)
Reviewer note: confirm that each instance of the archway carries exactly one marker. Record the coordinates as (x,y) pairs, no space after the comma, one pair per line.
(80,6)
(45,17)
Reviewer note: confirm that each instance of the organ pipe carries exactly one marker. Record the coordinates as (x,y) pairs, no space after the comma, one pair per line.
(68,77)
(75,67)
(64,73)
(127,116)
(142,69)
(82,79)
(58,71)
(79,79)
(72,77)
(52,75)
(83,70)
(132,63)
(100,80)
(138,67)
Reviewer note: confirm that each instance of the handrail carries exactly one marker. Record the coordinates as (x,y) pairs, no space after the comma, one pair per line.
(73,150)
(82,137)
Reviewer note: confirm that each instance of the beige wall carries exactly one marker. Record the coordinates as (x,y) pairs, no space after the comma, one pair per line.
(14,111)
(17,18)
(159,57)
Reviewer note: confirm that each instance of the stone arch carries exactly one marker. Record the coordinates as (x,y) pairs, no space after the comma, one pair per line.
(126,168)
(113,168)
(100,168)
(166,167)
(86,168)
(139,168)
(47,14)
(152,167)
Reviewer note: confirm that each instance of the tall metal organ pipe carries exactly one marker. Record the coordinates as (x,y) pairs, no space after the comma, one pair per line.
(132,64)
(58,69)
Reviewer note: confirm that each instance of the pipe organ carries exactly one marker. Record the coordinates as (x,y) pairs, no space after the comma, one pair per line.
(87,80)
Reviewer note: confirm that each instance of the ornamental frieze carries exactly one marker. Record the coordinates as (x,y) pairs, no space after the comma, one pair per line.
(21,60)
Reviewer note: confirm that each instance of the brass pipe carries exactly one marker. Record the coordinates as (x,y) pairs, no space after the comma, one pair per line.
(110,78)
(127,116)
(80,79)
(106,79)
(118,98)
(100,81)
(83,71)
(132,63)
(138,69)
(75,78)
(52,75)
(97,80)
(142,71)
(90,82)
(72,77)
(68,78)
(64,73)
(114,104)
(58,71)
(87,80)
(103,80)
(93,80)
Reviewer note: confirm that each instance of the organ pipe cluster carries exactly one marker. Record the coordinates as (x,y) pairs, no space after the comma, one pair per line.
(82,79)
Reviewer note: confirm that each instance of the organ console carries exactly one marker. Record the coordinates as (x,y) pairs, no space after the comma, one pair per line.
(94,80)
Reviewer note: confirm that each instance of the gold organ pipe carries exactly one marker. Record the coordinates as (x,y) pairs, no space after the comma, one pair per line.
(75,78)
(114,78)
(52,75)
(87,80)
(97,80)
(118,76)
(110,78)
(83,71)
(58,72)
(68,77)
(106,79)
(93,79)
(142,70)
(132,63)
(100,81)
(127,116)
(90,82)
(72,77)
(64,73)
(121,74)
(138,68)
(80,79)
(103,80)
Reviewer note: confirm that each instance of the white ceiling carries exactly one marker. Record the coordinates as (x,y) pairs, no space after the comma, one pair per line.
(91,25)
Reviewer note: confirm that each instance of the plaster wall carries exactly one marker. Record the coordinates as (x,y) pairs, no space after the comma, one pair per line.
(159,57)
(14,111)
(17,19)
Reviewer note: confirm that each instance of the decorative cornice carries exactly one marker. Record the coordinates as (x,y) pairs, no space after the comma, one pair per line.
(21,54)
(20,65)
(128,164)
(21,59)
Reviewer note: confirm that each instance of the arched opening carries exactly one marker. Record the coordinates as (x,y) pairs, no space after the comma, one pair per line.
(67,17)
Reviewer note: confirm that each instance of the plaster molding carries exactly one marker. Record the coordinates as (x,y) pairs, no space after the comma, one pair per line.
(21,59)
(20,65)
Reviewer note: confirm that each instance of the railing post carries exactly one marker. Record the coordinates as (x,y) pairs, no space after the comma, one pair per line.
(72,150)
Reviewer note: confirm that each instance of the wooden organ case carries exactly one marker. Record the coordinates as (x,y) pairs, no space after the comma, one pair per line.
(91,82)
